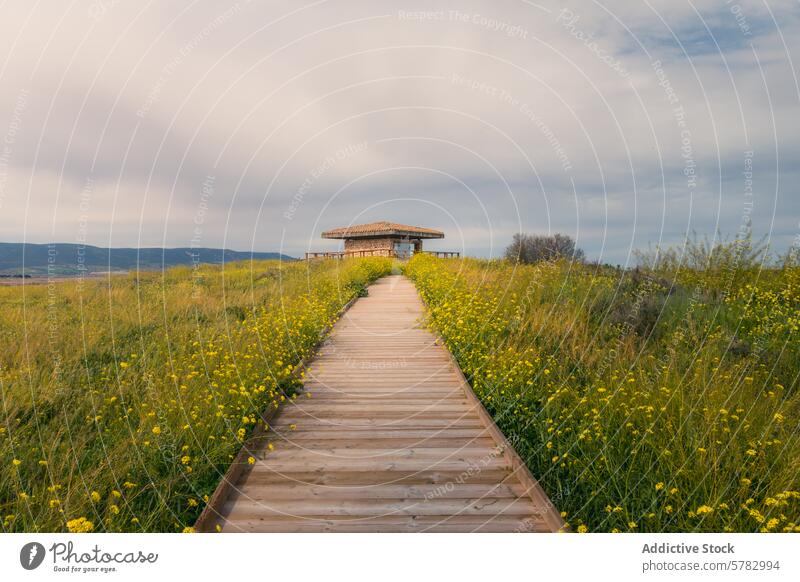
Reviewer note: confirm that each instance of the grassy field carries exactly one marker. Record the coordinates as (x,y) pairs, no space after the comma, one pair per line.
(125,399)
(658,399)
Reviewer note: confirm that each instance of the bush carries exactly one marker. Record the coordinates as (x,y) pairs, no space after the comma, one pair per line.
(535,248)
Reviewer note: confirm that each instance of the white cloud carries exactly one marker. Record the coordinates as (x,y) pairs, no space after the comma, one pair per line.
(150,101)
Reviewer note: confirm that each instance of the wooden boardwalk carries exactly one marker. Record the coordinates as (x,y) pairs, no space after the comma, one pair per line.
(392,439)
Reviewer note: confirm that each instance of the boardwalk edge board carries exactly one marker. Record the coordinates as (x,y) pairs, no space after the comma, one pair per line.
(533,489)
(212,512)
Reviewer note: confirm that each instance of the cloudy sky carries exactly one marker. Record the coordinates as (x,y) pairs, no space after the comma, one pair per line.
(256,125)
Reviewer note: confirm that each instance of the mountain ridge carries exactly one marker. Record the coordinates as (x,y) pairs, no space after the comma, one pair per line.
(74,258)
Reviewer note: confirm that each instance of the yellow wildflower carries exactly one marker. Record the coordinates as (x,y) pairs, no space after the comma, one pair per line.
(80,525)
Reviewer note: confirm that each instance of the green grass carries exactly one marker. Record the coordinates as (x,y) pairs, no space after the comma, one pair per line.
(658,399)
(125,399)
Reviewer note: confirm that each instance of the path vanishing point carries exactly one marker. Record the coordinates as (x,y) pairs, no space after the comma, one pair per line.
(392,440)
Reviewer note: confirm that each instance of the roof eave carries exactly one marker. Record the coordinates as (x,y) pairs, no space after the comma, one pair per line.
(374,234)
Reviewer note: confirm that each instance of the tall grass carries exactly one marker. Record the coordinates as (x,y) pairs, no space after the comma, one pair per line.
(125,399)
(663,398)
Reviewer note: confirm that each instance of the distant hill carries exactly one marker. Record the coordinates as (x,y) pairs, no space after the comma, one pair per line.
(68,258)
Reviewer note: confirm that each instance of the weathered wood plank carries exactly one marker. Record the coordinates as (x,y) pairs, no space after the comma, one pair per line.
(351,476)
(246,509)
(393,443)
(438,524)
(302,492)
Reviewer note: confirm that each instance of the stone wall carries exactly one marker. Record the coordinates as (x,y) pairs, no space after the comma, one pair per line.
(368,244)
(377,246)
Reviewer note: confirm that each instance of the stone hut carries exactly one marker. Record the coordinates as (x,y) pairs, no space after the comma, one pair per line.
(385,239)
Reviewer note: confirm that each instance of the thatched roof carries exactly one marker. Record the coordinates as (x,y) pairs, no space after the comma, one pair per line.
(383,228)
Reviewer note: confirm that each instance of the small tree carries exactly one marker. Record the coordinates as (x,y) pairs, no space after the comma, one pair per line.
(533,248)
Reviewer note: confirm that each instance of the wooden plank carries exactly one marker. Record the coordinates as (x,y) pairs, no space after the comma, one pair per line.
(393,443)
(366,433)
(400,524)
(332,409)
(302,492)
(408,465)
(389,398)
(243,508)
(476,454)
(350,476)
(386,423)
